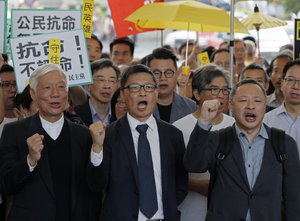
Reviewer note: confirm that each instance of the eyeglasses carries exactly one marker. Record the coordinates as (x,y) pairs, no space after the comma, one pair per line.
(216,91)
(168,73)
(7,84)
(121,104)
(291,81)
(134,88)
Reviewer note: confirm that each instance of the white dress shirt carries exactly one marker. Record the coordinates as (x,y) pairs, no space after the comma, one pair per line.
(153,138)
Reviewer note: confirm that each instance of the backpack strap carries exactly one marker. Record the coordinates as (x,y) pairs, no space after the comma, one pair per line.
(225,144)
(278,144)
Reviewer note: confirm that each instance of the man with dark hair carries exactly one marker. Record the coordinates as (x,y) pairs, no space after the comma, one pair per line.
(221,57)
(287,116)
(275,71)
(209,82)
(9,90)
(251,174)
(94,46)
(142,171)
(97,108)
(121,51)
(170,106)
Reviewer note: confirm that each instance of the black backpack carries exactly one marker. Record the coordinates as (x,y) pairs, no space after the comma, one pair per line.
(226,142)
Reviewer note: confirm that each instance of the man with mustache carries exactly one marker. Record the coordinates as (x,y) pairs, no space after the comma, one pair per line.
(97,108)
(249,176)
(142,170)
(287,116)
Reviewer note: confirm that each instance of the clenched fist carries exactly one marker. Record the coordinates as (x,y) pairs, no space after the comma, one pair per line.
(35,147)
(209,111)
(97,131)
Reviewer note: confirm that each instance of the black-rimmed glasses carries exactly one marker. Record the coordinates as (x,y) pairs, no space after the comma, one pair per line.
(134,88)
(216,90)
(168,73)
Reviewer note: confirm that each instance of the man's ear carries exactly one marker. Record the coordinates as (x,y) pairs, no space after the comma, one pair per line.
(32,94)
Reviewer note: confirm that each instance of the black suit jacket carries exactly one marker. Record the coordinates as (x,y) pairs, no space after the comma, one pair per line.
(84,112)
(120,172)
(231,196)
(33,194)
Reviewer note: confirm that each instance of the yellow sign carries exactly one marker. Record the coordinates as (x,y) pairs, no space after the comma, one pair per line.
(87,17)
(186,70)
(54,51)
(298,31)
(203,58)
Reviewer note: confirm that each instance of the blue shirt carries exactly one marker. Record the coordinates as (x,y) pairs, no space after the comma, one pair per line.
(96,117)
(253,155)
(283,120)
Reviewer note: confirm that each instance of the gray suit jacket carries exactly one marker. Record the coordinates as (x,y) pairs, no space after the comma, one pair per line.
(231,196)
(181,107)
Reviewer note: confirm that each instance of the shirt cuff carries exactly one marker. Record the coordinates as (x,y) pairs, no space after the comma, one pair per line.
(30,167)
(96,158)
(204,126)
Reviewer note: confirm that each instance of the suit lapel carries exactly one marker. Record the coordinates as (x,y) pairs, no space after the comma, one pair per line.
(266,165)
(77,164)
(43,167)
(124,132)
(163,145)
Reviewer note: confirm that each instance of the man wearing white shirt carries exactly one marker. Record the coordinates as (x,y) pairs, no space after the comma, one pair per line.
(49,164)
(123,171)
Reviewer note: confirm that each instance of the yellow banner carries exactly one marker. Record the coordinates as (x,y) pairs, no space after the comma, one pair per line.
(87,17)
(54,51)
(298,30)
(203,57)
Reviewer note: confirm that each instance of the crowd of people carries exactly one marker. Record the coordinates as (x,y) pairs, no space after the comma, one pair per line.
(148,141)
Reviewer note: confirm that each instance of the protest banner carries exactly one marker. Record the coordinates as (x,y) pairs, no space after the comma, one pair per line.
(3,26)
(32,51)
(27,22)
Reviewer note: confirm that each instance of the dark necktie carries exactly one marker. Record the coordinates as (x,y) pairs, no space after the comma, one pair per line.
(147,189)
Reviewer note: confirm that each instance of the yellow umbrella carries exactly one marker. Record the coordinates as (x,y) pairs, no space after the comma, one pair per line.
(184,15)
(259,21)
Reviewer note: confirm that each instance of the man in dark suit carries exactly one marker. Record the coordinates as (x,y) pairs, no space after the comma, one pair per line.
(250,183)
(126,183)
(47,162)
(106,80)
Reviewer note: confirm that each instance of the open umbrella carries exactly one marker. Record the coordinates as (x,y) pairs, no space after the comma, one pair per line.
(259,21)
(184,15)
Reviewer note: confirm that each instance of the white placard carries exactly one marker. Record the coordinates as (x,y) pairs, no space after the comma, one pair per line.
(32,51)
(27,22)
(3,26)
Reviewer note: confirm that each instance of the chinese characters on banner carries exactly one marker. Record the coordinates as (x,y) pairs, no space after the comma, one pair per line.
(87,17)
(119,13)
(3,26)
(32,51)
(26,22)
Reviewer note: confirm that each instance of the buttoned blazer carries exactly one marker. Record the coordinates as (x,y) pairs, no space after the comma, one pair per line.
(33,194)
(120,172)
(231,195)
